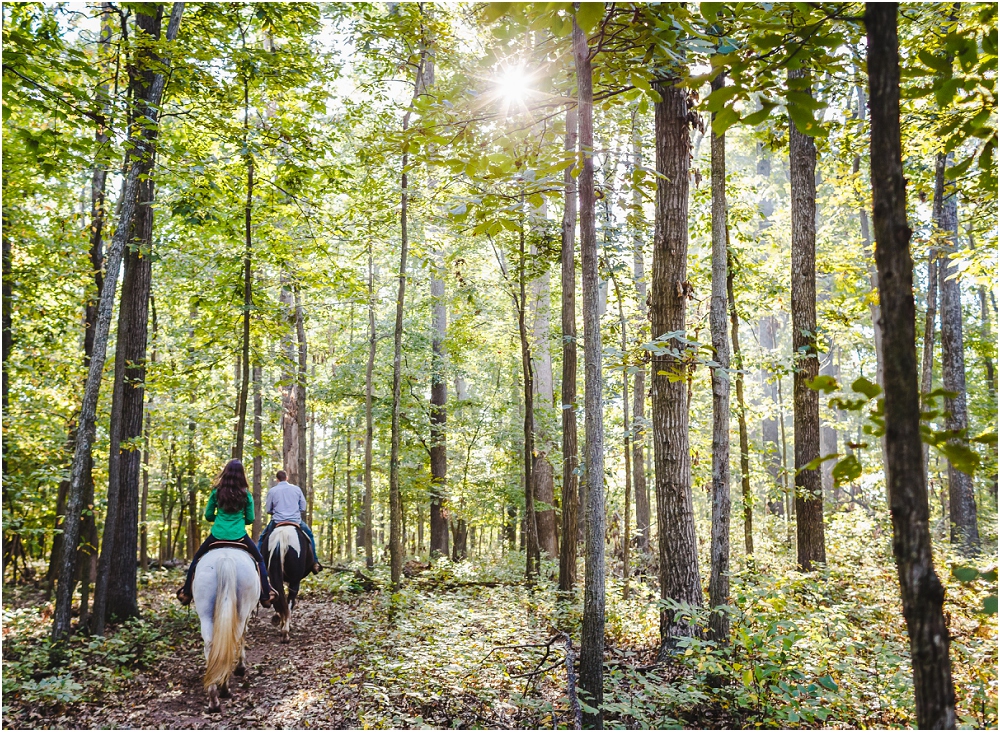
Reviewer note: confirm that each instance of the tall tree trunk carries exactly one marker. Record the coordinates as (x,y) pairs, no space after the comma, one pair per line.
(144,500)
(241,406)
(961,498)
(395,501)
(678,546)
(85,435)
(921,590)
(570,492)
(369,428)
(828,438)
(808,483)
(592,636)
(290,438)
(642,513)
(98,188)
(741,412)
(438,419)
(626,446)
(718,583)
(258,453)
(930,315)
(300,391)
(349,509)
(115,592)
(769,426)
(530,532)
(542,470)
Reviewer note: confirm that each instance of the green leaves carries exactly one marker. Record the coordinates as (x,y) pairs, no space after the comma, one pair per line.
(847,470)
(823,383)
(589,16)
(861,385)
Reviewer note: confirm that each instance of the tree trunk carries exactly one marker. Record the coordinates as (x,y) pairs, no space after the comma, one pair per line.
(241,406)
(828,438)
(290,438)
(718,584)
(592,636)
(300,392)
(626,446)
(678,546)
(961,499)
(542,470)
(438,420)
(570,475)
(258,453)
(808,483)
(742,414)
(642,514)
(530,532)
(349,509)
(921,590)
(85,434)
(369,429)
(770,432)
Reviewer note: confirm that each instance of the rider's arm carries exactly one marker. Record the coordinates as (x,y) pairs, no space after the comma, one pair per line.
(210,507)
(248,512)
(302,504)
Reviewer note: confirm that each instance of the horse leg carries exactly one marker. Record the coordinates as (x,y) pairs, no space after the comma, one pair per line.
(214,705)
(224,692)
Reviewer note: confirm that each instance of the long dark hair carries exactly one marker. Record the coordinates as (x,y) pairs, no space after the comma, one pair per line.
(231,488)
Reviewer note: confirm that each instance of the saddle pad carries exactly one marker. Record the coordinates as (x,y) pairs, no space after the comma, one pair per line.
(224,544)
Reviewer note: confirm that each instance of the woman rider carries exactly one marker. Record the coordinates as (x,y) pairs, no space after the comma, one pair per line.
(230,508)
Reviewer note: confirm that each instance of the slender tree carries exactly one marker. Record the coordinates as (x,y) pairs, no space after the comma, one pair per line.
(369,426)
(85,434)
(718,584)
(961,498)
(570,476)
(741,411)
(642,512)
(921,590)
(808,483)
(592,639)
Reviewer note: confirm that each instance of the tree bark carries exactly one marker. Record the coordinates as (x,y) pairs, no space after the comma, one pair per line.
(290,438)
(85,434)
(241,407)
(678,546)
(930,315)
(742,414)
(438,420)
(921,590)
(369,428)
(258,453)
(542,470)
(570,475)
(961,498)
(718,583)
(808,483)
(769,427)
(639,484)
(530,532)
(300,392)
(592,635)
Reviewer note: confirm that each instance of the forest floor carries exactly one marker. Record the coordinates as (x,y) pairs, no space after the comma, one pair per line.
(457,645)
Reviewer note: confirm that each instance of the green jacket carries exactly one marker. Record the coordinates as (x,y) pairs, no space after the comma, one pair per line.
(229,526)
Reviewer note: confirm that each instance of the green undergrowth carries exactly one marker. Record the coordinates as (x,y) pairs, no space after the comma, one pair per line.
(40,677)
(823,649)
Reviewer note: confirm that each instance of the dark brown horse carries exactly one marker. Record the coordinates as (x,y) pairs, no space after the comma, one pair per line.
(289,559)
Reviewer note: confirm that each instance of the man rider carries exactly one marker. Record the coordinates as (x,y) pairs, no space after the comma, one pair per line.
(285,502)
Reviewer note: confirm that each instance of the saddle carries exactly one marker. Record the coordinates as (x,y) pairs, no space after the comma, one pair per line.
(225,544)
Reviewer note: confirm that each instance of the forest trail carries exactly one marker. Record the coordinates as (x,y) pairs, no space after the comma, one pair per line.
(288,685)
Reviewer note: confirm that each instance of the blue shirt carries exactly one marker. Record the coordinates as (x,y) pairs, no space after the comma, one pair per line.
(285,502)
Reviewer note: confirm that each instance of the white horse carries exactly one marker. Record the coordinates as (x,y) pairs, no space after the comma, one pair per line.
(226,590)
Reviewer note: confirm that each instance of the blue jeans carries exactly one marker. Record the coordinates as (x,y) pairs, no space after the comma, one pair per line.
(305,528)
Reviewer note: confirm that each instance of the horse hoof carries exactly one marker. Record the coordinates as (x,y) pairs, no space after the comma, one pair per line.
(215,710)
(239,670)
(225,693)
(286,639)
(275,620)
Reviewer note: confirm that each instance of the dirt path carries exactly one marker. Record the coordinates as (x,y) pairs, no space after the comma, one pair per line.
(287,686)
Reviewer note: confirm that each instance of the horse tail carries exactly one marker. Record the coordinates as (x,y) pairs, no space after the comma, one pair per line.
(276,574)
(226,625)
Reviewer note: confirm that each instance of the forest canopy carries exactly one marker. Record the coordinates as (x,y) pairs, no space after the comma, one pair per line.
(662,336)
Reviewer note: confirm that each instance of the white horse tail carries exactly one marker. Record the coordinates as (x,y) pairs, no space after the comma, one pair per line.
(226,621)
